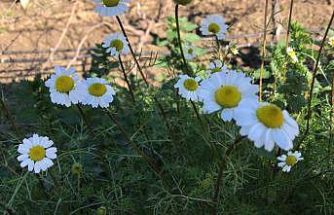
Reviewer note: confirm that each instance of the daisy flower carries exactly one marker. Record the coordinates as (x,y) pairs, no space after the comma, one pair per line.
(37,153)
(223,91)
(111,7)
(189,52)
(116,44)
(188,87)
(266,124)
(62,86)
(292,54)
(286,162)
(95,92)
(214,25)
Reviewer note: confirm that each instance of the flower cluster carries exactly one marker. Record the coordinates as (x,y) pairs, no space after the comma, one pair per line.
(227,92)
(234,97)
(66,88)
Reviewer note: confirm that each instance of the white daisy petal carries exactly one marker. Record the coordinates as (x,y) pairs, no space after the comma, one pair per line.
(61,84)
(276,125)
(36,153)
(23,157)
(289,160)
(214,25)
(188,87)
(95,92)
(116,44)
(221,92)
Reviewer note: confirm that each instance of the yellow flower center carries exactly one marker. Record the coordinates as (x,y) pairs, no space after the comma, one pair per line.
(64,84)
(110,3)
(117,44)
(97,89)
(190,84)
(214,28)
(270,115)
(228,96)
(190,51)
(37,153)
(291,160)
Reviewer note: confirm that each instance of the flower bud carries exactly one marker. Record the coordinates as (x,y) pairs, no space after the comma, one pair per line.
(182,2)
(101,211)
(76,169)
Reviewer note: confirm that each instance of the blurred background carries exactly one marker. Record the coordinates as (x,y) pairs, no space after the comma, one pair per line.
(35,35)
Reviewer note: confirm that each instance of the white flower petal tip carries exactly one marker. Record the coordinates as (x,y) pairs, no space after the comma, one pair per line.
(188,87)
(34,153)
(224,91)
(289,160)
(62,85)
(266,124)
(214,25)
(96,92)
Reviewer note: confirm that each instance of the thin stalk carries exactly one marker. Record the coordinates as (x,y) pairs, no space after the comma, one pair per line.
(161,109)
(179,39)
(83,116)
(218,48)
(41,183)
(10,202)
(331,121)
(197,114)
(132,51)
(219,182)
(148,160)
(289,24)
(264,48)
(314,74)
(8,115)
(126,79)
(184,58)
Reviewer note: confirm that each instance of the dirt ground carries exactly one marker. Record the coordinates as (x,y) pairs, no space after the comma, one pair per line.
(60,32)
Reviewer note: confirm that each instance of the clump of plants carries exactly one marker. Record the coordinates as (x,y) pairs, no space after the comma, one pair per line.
(208,140)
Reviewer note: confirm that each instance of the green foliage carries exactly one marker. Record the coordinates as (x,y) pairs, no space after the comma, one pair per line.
(99,171)
(292,76)
(174,59)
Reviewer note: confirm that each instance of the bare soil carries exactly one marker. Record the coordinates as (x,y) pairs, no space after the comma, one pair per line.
(59,32)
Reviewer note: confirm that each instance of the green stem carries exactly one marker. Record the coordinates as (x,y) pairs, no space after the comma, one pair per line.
(83,116)
(9,204)
(8,115)
(126,79)
(289,25)
(180,41)
(314,75)
(219,181)
(184,59)
(132,51)
(161,109)
(264,46)
(149,161)
(218,48)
